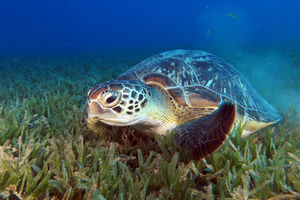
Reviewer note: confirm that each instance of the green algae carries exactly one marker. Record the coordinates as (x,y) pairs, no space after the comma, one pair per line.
(47,151)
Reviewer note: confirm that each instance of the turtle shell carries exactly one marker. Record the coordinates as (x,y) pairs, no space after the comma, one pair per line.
(200,79)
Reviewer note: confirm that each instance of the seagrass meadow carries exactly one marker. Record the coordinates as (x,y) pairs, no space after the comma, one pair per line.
(48,152)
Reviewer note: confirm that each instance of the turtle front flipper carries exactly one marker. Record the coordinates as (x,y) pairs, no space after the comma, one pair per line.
(205,135)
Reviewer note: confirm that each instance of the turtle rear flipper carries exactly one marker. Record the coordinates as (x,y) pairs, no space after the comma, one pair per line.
(205,135)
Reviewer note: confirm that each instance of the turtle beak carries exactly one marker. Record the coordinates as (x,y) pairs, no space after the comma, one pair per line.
(94,109)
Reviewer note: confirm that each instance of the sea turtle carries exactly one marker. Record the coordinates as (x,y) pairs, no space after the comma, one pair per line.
(193,93)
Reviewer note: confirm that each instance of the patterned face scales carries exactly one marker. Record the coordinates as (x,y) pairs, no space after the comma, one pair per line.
(121,97)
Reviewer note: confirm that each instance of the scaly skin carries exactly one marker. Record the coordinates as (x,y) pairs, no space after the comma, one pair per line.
(151,110)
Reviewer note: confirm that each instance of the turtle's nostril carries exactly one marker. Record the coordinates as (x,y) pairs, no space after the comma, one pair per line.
(88,102)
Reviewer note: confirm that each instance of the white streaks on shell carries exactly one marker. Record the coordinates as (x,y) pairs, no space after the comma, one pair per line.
(209,83)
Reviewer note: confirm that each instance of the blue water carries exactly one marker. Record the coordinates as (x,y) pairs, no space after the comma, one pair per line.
(58,26)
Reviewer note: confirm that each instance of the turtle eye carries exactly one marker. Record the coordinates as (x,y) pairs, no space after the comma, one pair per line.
(110,98)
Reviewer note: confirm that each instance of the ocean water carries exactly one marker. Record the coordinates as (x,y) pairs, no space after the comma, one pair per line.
(33,27)
(53,52)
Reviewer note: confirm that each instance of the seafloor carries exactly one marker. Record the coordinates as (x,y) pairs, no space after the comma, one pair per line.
(47,151)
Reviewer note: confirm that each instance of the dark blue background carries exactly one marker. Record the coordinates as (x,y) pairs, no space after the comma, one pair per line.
(52,26)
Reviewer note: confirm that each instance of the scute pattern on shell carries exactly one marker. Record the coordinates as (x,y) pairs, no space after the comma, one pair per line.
(193,75)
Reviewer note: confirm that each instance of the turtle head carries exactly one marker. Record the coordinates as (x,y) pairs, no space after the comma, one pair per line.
(117,103)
